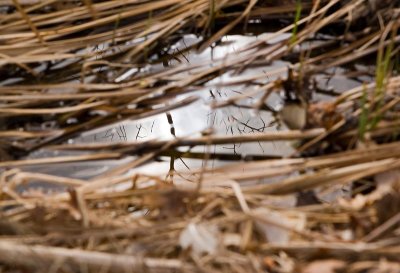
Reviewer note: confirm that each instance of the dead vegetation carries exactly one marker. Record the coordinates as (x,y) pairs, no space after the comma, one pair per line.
(332,206)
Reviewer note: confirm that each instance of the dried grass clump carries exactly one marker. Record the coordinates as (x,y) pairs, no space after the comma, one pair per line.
(140,222)
(63,67)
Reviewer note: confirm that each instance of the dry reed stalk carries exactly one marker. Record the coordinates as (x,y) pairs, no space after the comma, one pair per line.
(61,159)
(84,54)
(45,257)
(194,141)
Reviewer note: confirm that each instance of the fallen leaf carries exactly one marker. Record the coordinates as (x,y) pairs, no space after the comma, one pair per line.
(200,238)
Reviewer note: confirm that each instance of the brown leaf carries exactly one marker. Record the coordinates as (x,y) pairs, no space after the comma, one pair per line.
(170,202)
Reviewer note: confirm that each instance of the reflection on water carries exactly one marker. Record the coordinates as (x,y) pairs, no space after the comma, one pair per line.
(195,118)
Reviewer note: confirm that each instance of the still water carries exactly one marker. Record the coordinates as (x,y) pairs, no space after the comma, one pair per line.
(199,116)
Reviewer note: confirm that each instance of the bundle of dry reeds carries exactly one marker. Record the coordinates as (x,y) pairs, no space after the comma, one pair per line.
(70,67)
